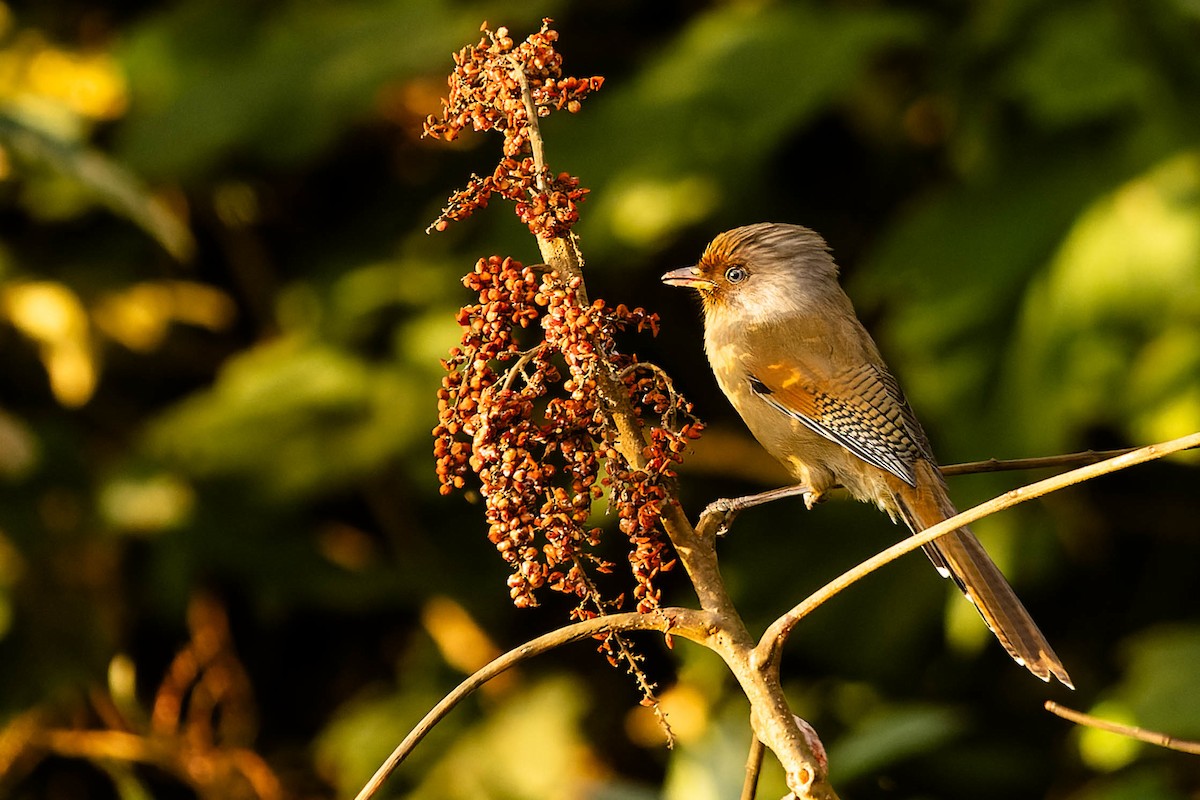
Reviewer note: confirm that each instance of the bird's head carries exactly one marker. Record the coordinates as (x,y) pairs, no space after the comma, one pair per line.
(760,272)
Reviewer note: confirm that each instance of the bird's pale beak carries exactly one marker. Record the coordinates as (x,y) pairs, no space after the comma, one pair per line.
(688,276)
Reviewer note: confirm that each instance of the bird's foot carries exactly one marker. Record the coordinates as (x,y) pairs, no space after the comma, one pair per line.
(718,515)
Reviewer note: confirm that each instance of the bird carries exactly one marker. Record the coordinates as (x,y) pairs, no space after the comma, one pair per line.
(804,374)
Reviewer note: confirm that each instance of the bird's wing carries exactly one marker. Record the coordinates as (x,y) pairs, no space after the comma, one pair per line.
(861,408)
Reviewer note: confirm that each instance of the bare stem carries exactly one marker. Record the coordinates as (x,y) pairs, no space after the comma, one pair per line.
(1065,460)
(754,760)
(1141,734)
(519,367)
(772,641)
(536,144)
(685,623)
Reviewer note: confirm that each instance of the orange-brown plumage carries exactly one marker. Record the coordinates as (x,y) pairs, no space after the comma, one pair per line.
(810,383)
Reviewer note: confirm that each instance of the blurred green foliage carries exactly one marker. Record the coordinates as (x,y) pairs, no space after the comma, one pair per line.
(220,324)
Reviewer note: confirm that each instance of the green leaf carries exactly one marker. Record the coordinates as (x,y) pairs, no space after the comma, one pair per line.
(713,105)
(210,80)
(295,417)
(103,180)
(891,737)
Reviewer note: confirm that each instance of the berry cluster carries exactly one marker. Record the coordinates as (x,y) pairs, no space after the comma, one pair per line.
(535,426)
(496,85)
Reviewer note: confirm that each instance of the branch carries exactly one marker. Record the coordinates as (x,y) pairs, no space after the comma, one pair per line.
(772,719)
(754,760)
(1141,734)
(772,641)
(1066,460)
(686,623)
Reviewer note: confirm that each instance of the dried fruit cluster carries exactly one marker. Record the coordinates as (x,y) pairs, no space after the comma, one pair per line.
(494,86)
(534,425)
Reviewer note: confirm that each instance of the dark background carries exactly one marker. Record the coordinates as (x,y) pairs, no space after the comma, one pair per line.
(220,325)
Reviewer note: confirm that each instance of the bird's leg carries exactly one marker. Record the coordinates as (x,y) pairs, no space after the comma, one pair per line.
(719,514)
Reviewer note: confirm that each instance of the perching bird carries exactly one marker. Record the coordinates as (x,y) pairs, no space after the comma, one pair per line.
(804,374)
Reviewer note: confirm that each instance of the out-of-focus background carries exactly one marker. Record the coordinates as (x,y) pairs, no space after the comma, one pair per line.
(225,568)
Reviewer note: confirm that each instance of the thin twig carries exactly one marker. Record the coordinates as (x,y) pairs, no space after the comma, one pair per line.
(1141,734)
(754,760)
(772,641)
(1066,460)
(706,524)
(668,417)
(630,658)
(536,146)
(519,367)
(683,622)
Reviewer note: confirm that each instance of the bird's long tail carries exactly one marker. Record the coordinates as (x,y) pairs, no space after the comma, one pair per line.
(961,556)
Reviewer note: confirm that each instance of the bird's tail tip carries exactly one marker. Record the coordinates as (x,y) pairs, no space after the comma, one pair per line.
(1047,666)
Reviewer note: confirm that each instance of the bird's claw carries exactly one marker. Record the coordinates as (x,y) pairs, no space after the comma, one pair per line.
(722,510)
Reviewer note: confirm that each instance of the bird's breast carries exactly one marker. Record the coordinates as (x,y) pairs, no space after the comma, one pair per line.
(808,456)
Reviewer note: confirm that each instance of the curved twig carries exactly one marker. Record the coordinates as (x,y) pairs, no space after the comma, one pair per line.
(1141,734)
(683,622)
(772,641)
(519,367)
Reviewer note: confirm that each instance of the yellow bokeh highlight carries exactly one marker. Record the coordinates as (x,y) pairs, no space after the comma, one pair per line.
(147,505)
(52,315)
(463,644)
(1104,751)
(89,84)
(72,372)
(45,311)
(686,710)
(140,315)
(645,211)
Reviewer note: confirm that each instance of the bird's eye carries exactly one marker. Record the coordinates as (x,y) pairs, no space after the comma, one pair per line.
(736,274)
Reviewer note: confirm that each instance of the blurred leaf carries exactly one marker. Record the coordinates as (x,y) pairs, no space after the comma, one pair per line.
(1077,66)
(889,737)
(210,79)
(530,746)
(1130,785)
(105,181)
(712,107)
(1162,682)
(294,417)
(1111,334)
(364,730)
